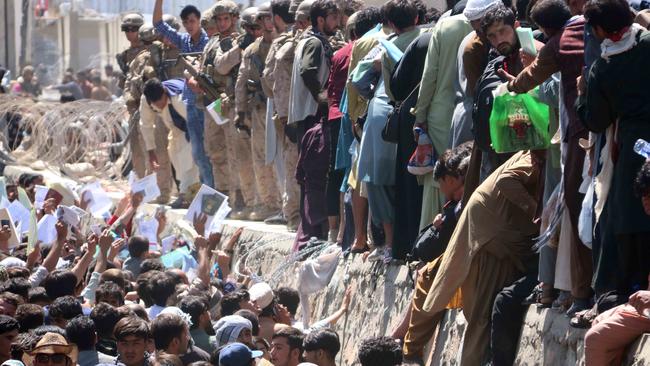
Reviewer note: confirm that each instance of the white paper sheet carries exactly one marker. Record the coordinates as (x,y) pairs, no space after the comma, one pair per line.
(100,202)
(148,186)
(148,227)
(68,215)
(195,208)
(20,215)
(40,193)
(167,243)
(47,229)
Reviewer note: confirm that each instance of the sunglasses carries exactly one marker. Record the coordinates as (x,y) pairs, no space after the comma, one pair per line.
(130,29)
(56,358)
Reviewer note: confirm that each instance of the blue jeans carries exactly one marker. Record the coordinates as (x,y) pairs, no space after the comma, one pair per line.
(195,125)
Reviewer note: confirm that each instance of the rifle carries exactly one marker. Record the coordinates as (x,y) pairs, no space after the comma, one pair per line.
(255,86)
(171,62)
(205,81)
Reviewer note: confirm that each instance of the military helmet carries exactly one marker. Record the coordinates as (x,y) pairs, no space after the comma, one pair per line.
(225,6)
(172,21)
(294,6)
(147,33)
(302,13)
(207,18)
(248,16)
(132,20)
(264,10)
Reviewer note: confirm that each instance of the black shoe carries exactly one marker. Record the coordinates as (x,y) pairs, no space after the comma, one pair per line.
(179,203)
(277,219)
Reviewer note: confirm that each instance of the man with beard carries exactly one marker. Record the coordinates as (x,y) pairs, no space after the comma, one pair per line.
(499,26)
(505,55)
(307,105)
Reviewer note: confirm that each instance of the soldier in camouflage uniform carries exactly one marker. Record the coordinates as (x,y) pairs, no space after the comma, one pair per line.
(218,137)
(250,106)
(276,81)
(220,61)
(147,65)
(131,24)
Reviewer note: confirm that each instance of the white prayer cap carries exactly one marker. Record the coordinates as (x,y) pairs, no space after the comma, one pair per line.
(262,294)
(476,9)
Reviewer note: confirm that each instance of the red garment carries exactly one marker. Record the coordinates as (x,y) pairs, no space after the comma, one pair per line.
(611,333)
(337,80)
(127,229)
(571,59)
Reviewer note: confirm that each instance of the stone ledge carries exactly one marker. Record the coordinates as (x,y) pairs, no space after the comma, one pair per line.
(382,293)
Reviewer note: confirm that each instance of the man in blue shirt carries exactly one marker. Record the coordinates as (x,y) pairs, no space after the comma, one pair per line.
(193,41)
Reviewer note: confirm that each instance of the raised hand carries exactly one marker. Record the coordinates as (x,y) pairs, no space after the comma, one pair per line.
(136,199)
(200,243)
(61,231)
(199,223)
(105,242)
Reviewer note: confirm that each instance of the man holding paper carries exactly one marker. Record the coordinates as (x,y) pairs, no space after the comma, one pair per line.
(164,99)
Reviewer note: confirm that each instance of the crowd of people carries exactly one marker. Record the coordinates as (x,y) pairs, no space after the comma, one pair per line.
(375,129)
(84,84)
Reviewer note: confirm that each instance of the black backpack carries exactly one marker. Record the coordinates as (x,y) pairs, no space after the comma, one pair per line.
(483,101)
(432,242)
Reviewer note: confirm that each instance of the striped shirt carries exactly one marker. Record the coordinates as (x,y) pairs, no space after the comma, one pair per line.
(183,41)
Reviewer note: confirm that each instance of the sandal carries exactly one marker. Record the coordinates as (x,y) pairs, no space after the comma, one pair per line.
(359,251)
(583,319)
(546,297)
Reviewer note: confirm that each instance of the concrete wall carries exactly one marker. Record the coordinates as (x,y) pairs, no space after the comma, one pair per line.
(382,293)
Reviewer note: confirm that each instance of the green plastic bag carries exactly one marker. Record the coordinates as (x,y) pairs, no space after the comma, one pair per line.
(519,122)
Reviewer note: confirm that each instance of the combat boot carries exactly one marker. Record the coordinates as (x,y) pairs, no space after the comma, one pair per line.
(261,213)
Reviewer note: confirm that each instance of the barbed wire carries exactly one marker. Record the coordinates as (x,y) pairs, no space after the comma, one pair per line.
(250,248)
(62,135)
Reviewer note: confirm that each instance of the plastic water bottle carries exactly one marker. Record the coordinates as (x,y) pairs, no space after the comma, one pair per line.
(642,147)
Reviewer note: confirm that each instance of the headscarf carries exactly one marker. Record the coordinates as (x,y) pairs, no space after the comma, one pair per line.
(229,327)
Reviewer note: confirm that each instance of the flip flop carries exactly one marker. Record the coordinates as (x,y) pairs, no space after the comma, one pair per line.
(359,251)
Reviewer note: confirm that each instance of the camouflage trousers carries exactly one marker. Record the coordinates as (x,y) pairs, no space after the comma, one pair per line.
(265,180)
(291,191)
(164,173)
(230,154)
(136,145)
